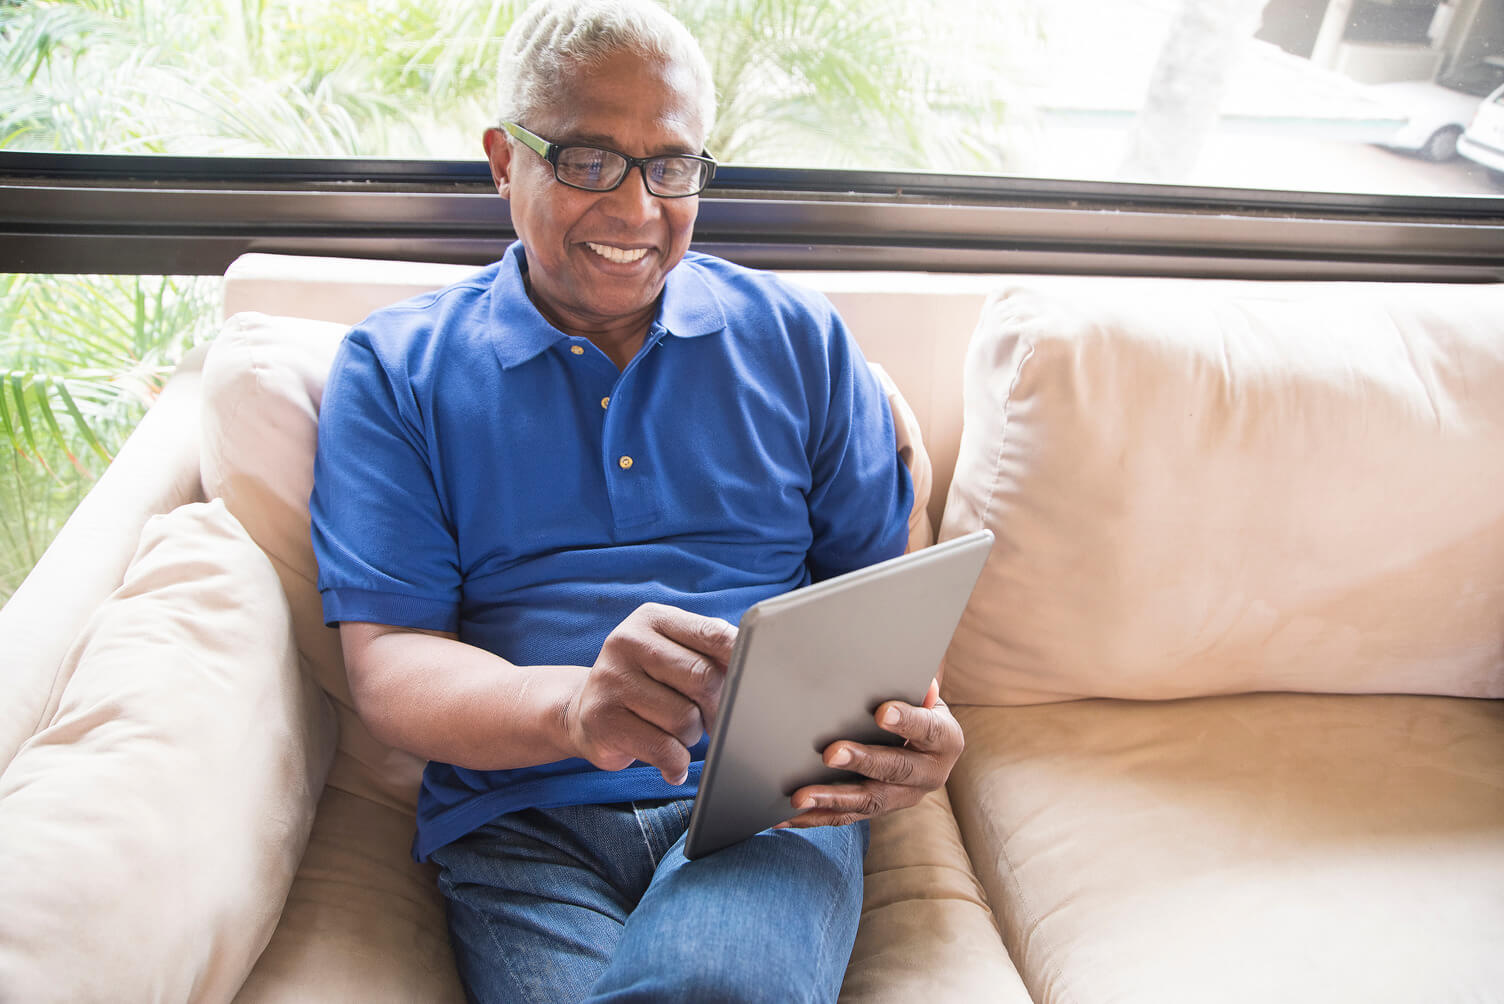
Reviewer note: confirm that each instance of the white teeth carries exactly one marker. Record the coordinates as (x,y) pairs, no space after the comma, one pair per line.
(620,255)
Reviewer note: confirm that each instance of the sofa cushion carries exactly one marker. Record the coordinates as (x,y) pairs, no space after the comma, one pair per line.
(926,930)
(1269,847)
(363,921)
(263,381)
(1203,487)
(155,471)
(150,830)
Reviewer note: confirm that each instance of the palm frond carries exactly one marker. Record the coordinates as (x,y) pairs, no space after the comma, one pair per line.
(81,357)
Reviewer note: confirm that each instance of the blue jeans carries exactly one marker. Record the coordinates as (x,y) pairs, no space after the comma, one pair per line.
(598,903)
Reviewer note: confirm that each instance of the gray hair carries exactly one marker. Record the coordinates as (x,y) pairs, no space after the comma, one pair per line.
(553,37)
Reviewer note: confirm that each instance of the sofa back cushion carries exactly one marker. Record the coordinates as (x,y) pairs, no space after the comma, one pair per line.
(1206,487)
(263,382)
(150,829)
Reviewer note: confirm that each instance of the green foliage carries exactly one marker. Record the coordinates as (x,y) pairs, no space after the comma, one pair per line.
(815,83)
(818,83)
(870,84)
(81,358)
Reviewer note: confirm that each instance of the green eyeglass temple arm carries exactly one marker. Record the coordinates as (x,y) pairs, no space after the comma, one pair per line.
(537,144)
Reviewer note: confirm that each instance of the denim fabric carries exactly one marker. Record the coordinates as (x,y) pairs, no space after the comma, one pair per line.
(598,903)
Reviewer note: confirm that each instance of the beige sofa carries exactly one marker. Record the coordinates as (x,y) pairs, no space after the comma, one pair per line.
(1230,680)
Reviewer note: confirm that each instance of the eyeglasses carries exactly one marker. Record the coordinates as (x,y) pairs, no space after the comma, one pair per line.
(668,176)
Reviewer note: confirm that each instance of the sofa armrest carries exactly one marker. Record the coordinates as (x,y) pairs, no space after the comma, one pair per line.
(155,472)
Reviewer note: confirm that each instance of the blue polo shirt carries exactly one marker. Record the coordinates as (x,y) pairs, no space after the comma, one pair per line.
(481,472)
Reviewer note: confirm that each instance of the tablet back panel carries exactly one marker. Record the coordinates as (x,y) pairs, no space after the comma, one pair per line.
(811,667)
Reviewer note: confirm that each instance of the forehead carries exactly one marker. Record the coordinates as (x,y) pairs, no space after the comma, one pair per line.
(627,101)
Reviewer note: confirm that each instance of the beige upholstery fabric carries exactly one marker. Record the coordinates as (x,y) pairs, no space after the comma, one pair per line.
(150,831)
(263,382)
(1215,487)
(916,326)
(155,472)
(343,290)
(1271,847)
(926,932)
(363,922)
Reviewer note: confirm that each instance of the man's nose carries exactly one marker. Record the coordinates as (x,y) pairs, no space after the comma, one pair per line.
(631,201)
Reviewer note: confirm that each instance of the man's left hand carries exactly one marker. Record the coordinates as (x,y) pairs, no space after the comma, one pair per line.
(896,776)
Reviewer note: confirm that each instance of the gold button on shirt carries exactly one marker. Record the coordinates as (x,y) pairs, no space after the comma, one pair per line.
(625,463)
(578,350)
(605,401)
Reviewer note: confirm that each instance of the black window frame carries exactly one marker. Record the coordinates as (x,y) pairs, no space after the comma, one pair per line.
(95,213)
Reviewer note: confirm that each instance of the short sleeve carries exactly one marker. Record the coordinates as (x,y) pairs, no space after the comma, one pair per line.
(861,493)
(386,551)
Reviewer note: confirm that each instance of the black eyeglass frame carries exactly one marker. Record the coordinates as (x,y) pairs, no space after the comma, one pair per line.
(551,152)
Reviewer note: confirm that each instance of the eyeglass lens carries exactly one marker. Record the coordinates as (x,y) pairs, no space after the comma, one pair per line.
(601,170)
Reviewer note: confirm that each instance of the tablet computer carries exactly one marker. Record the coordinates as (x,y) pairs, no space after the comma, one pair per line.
(812,666)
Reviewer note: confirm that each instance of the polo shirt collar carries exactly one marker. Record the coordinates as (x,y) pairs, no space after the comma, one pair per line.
(688,308)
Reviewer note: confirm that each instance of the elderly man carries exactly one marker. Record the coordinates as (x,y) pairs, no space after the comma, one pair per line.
(543,497)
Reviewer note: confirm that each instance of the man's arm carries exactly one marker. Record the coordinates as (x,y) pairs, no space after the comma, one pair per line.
(648,696)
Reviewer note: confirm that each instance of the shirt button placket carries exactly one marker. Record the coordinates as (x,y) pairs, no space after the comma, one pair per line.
(631,484)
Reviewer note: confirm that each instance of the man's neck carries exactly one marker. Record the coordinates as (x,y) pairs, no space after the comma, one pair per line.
(620,342)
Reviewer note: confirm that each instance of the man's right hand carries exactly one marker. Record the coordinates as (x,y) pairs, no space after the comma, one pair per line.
(653,691)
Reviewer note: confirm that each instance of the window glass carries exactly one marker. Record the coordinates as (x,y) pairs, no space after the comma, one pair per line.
(81,358)
(1365,96)
(1324,95)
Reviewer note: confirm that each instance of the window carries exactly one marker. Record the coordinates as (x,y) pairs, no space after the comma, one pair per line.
(1274,94)
(81,358)
(1197,136)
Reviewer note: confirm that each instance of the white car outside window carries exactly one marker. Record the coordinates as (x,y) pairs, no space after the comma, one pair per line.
(1438,112)
(1484,140)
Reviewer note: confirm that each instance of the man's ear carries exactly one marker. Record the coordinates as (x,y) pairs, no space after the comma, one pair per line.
(499,153)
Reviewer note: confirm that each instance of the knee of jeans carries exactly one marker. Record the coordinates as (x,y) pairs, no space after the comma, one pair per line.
(748,979)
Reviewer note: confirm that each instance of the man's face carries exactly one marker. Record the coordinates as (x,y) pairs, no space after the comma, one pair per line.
(597,261)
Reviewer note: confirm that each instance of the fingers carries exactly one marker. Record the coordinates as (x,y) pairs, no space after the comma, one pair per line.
(684,651)
(616,738)
(652,691)
(838,805)
(890,777)
(617,719)
(711,637)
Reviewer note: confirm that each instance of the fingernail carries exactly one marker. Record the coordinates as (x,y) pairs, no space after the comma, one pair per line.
(842,757)
(807,802)
(890,717)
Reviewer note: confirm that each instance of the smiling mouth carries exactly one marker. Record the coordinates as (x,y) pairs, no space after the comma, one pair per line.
(622,256)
